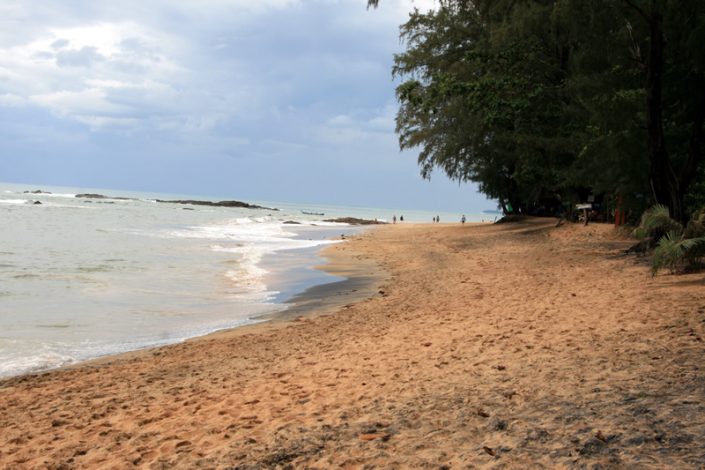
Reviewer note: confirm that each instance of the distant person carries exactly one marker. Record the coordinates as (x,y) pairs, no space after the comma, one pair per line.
(401,218)
(434,219)
(462,219)
(394,219)
(438,219)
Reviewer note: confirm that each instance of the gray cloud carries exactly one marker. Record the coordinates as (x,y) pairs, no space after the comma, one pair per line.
(84,57)
(277,95)
(44,55)
(59,44)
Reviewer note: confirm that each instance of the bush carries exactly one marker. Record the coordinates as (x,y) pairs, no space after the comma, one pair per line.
(673,247)
(696,226)
(655,224)
(676,252)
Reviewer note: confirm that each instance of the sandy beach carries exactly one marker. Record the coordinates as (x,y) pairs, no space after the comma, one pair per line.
(479,346)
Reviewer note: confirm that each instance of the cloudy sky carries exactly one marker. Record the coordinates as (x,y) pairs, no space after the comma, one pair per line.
(280,100)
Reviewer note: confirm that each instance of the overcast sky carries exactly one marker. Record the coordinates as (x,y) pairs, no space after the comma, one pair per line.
(280,100)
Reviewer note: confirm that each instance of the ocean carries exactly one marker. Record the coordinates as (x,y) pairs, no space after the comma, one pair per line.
(85,277)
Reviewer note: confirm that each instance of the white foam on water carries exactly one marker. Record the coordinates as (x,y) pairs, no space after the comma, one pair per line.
(13,201)
(70,206)
(251,240)
(209,269)
(23,357)
(29,356)
(57,195)
(321,223)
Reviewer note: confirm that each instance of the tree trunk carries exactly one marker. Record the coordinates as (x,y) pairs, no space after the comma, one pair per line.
(695,156)
(503,204)
(664,184)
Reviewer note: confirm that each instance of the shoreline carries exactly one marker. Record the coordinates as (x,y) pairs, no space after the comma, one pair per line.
(319,298)
(360,278)
(513,345)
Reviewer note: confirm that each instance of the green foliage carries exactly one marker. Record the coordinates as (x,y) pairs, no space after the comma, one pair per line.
(485,99)
(675,252)
(655,224)
(696,225)
(674,247)
(533,98)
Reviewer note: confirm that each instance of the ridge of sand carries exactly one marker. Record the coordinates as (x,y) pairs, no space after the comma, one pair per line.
(515,346)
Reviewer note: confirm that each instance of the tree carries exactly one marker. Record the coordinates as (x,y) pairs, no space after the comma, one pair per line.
(537,97)
(673,66)
(485,99)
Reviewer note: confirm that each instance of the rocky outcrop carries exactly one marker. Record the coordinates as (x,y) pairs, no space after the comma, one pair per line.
(353,221)
(238,204)
(100,196)
(36,191)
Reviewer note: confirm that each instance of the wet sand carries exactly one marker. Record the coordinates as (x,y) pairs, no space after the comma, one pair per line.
(504,346)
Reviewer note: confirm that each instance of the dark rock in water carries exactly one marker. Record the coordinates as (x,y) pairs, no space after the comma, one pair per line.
(36,191)
(188,209)
(238,204)
(353,221)
(36,203)
(100,196)
(292,222)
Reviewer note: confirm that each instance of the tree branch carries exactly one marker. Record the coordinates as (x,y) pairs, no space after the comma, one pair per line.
(631,4)
(635,49)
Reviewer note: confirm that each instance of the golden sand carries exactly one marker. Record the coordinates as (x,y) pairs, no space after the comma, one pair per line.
(508,346)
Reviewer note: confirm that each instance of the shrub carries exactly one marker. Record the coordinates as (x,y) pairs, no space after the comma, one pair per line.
(655,224)
(696,225)
(675,252)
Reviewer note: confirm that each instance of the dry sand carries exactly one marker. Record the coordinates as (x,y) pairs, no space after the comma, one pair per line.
(514,346)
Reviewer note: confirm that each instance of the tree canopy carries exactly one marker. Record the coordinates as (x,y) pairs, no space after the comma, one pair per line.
(540,100)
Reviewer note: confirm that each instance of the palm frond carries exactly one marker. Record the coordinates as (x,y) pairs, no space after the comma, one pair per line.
(655,224)
(674,251)
(657,221)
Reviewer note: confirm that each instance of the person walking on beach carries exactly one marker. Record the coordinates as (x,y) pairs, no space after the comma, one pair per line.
(462,219)
(438,219)
(401,218)
(394,219)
